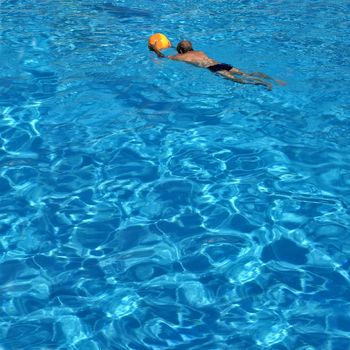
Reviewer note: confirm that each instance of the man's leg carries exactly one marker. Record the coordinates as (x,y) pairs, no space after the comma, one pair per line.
(244,80)
(250,76)
(265,76)
(254,75)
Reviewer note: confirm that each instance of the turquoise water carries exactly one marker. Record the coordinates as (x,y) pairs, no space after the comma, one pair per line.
(148,204)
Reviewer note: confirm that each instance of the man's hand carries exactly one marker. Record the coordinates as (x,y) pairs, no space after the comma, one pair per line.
(152,46)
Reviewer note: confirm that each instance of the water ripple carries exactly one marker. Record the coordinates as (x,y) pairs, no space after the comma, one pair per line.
(148,204)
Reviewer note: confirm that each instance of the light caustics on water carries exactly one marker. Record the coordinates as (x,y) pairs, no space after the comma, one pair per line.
(149,204)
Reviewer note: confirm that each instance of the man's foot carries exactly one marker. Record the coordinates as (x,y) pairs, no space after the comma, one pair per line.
(280,82)
(268,86)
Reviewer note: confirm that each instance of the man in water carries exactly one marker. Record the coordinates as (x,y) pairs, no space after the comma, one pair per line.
(200,59)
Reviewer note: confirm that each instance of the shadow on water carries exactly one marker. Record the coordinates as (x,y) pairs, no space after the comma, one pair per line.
(121,11)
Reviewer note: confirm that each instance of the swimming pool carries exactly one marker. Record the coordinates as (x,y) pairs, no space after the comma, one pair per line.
(148,204)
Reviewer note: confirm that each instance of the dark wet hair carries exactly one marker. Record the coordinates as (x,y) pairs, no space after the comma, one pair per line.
(184,46)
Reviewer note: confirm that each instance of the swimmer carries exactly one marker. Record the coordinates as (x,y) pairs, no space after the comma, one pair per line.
(200,59)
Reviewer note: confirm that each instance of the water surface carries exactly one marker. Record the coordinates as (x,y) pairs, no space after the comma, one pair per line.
(147,204)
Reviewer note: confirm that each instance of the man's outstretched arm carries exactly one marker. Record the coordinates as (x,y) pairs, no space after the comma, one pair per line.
(158,53)
(161,55)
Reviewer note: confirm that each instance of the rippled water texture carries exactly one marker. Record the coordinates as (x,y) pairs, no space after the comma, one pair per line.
(148,204)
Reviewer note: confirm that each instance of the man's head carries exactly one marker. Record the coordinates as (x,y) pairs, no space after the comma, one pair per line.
(184,46)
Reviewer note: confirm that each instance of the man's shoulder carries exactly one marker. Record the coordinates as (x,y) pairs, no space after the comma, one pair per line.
(198,53)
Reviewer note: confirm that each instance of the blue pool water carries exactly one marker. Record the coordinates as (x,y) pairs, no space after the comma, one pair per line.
(147,204)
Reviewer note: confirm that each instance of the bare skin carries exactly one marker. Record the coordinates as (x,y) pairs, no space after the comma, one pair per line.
(200,59)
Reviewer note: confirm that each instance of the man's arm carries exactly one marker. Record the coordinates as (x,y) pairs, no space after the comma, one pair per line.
(161,55)
(177,58)
(158,53)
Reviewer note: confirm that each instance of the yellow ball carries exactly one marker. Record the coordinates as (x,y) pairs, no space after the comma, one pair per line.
(159,41)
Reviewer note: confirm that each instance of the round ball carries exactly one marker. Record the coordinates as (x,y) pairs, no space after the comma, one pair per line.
(159,41)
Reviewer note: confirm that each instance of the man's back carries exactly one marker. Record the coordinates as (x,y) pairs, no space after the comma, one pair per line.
(197,58)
